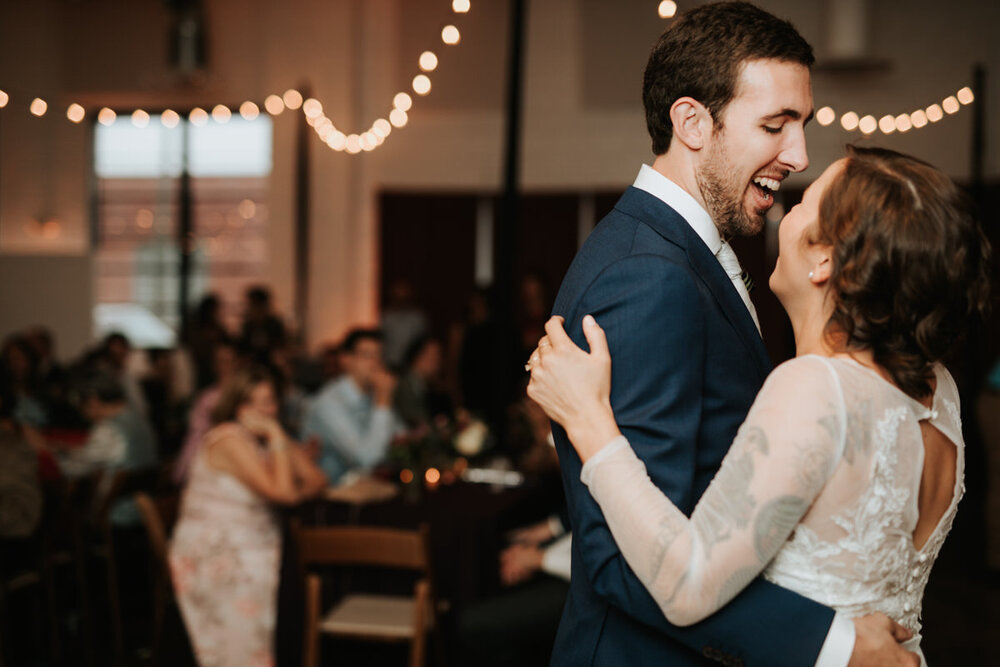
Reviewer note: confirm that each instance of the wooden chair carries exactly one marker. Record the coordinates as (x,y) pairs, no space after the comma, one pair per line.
(122,484)
(375,617)
(158,517)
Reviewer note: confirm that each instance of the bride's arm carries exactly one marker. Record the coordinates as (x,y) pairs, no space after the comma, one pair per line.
(781,458)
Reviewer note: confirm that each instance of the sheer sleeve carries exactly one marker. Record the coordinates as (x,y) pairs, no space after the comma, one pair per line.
(783,455)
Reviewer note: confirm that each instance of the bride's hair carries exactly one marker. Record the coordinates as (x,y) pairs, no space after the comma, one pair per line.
(910,262)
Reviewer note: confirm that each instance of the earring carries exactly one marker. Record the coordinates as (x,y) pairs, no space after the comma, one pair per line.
(811,274)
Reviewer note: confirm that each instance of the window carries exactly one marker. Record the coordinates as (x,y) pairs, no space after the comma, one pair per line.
(138,247)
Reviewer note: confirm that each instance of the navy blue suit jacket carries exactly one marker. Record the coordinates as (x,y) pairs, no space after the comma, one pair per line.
(687,362)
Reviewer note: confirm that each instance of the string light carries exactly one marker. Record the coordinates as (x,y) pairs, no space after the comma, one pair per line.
(422,84)
(75,113)
(825,116)
(275,104)
(292,99)
(849,121)
(140,118)
(667,9)
(398,117)
(198,116)
(428,61)
(402,101)
(249,110)
(450,35)
(106,116)
(901,122)
(170,119)
(221,113)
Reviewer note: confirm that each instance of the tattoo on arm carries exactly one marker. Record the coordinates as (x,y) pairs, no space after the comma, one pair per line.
(775,521)
(729,505)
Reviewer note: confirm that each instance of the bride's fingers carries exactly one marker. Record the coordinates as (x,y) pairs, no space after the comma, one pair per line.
(596,338)
(899,633)
(556,333)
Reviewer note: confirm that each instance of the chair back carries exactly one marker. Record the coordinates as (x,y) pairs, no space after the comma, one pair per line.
(364,546)
(158,517)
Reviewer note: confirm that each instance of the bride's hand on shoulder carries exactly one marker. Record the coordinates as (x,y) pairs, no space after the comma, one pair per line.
(573,387)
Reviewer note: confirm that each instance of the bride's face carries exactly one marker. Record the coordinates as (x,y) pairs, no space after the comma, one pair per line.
(798,254)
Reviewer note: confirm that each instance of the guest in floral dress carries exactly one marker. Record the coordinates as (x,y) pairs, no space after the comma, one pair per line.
(225,553)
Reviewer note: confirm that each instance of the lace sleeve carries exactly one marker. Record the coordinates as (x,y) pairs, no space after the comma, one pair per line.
(783,454)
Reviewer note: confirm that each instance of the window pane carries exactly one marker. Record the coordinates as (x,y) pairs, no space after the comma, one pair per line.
(237,148)
(122,150)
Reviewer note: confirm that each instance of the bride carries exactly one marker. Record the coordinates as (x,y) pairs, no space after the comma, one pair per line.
(844,479)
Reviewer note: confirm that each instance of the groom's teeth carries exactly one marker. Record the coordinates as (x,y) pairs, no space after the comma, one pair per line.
(768,183)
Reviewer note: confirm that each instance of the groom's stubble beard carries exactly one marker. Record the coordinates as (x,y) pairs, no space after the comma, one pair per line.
(723,195)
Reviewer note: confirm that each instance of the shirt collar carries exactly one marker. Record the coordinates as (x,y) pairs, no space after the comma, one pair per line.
(651,181)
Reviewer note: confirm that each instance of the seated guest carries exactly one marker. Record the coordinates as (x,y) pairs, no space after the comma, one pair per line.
(120,438)
(352,415)
(224,365)
(20,487)
(226,548)
(418,396)
(19,373)
(518,626)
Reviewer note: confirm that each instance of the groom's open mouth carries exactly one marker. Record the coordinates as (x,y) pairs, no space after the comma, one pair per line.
(765,188)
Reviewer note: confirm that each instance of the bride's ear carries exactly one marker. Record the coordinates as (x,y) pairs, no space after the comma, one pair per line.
(823,266)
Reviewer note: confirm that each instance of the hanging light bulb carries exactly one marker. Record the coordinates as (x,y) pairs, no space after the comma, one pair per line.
(428,61)
(450,35)
(849,121)
(402,101)
(140,118)
(825,116)
(38,107)
(274,105)
(249,110)
(460,6)
(106,116)
(170,119)
(198,116)
(75,113)
(292,99)
(422,84)
(221,113)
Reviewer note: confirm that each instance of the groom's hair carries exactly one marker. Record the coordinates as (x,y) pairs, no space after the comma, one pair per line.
(700,56)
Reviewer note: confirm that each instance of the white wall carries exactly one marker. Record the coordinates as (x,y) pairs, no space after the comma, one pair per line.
(583,125)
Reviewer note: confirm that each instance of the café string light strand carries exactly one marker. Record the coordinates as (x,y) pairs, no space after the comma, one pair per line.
(353,143)
(903,122)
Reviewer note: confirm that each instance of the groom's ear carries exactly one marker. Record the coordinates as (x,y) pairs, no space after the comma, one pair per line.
(692,122)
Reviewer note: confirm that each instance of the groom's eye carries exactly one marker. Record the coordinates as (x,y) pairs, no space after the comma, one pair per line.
(773,130)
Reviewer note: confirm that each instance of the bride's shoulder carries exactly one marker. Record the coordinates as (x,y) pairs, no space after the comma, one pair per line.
(808,367)
(803,379)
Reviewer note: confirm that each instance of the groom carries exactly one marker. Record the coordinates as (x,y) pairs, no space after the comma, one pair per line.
(727,96)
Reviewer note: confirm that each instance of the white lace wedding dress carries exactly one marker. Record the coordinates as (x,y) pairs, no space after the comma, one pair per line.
(819,491)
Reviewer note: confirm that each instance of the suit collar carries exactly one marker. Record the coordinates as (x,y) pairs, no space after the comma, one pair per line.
(669,224)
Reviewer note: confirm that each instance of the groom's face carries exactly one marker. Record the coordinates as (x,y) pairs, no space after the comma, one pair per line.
(758,141)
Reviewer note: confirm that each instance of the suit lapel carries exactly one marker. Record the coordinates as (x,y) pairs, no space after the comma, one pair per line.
(670,225)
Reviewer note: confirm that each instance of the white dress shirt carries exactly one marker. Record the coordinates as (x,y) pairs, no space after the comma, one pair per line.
(839,644)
